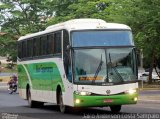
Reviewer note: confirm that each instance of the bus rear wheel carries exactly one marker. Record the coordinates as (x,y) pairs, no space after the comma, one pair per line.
(62,107)
(32,103)
(115,108)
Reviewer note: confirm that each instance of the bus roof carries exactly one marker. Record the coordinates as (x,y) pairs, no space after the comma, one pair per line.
(79,24)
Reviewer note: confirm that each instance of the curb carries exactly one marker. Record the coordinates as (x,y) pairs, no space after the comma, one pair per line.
(4,85)
(149,101)
(141,89)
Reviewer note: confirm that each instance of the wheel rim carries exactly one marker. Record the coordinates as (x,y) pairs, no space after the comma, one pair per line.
(29,98)
(62,106)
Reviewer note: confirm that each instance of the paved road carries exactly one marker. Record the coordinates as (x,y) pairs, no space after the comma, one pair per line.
(17,108)
(6,74)
(3,84)
(149,92)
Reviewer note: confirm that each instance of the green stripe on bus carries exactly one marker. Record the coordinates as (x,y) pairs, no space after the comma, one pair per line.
(44,76)
(98,101)
(22,77)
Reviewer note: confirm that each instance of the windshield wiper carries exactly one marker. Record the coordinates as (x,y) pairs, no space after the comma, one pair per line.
(98,69)
(110,62)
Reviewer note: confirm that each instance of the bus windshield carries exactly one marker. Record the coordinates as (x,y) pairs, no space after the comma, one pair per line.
(102,38)
(99,66)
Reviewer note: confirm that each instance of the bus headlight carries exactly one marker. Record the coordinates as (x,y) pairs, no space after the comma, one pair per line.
(82,93)
(135,99)
(131,91)
(77,101)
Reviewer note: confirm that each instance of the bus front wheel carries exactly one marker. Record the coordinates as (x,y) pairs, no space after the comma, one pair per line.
(62,107)
(115,108)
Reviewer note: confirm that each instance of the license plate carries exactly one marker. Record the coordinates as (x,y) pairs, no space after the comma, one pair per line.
(108,101)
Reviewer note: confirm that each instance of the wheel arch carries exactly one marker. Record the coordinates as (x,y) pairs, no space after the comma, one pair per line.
(58,89)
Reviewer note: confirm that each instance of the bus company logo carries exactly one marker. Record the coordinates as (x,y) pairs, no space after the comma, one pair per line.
(108,92)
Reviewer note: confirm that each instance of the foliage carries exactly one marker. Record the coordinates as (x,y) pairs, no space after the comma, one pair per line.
(20,17)
(81,9)
(8,47)
(143,16)
(25,16)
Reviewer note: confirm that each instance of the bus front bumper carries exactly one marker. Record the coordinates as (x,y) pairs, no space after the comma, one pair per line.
(100,101)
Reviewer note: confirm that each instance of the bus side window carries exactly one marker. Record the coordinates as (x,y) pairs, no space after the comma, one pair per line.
(57,42)
(34,47)
(50,44)
(43,43)
(24,49)
(30,48)
(38,46)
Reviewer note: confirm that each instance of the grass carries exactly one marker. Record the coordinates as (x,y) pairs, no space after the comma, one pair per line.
(5,68)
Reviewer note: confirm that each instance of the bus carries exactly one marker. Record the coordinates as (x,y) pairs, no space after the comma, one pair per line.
(79,63)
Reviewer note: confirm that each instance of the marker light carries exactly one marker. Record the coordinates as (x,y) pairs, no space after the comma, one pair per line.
(135,99)
(83,93)
(131,91)
(77,101)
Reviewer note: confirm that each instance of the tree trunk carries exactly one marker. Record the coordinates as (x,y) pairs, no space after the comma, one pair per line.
(155,67)
(151,67)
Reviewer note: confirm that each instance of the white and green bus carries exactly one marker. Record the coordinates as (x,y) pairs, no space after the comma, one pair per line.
(79,63)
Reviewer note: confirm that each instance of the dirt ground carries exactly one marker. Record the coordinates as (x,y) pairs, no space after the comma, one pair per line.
(4,78)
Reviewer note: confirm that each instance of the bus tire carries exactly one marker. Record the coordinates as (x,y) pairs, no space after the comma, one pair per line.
(31,103)
(115,108)
(40,104)
(62,107)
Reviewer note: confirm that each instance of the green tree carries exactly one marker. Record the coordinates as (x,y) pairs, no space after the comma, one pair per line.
(143,16)
(73,9)
(20,17)
(8,47)
(25,16)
